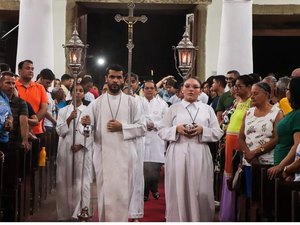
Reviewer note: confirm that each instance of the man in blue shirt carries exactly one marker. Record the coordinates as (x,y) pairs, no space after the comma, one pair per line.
(5,118)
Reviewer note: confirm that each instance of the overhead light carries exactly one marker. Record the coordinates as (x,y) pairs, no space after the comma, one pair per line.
(100,61)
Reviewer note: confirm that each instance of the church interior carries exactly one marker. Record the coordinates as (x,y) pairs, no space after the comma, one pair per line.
(275,44)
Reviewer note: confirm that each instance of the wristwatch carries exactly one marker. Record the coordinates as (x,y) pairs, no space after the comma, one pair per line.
(262,149)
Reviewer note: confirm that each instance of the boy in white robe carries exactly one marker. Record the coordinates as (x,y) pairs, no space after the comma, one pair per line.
(72,195)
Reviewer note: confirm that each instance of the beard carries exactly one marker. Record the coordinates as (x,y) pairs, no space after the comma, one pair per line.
(115,88)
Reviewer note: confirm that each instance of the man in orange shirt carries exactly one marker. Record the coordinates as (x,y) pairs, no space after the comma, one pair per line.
(32,92)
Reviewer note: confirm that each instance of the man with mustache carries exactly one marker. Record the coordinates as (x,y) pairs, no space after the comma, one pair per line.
(117,121)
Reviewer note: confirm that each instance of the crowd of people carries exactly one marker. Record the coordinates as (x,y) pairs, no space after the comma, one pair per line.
(125,133)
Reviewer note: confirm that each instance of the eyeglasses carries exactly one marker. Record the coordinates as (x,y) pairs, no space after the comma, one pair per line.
(149,88)
(238,86)
(191,86)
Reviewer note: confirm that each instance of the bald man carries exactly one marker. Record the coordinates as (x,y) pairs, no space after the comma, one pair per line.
(296,72)
(284,102)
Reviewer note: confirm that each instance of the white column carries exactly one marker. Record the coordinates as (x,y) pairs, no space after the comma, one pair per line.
(59,29)
(235,50)
(35,40)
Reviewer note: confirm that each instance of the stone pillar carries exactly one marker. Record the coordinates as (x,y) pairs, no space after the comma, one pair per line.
(201,34)
(35,38)
(59,25)
(235,50)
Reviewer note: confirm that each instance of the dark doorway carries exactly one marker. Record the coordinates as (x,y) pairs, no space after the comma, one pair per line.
(153,43)
(278,55)
(8,44)
(276,44)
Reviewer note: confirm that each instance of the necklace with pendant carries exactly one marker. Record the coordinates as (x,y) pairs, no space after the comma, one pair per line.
(112,115)
(193,120)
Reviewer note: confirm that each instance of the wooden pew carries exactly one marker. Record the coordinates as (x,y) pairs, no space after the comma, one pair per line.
(10,201)
(283,199)
(34,176)
(261,188)
(295,206)
(267,197)
(1,180)
(21,186)
(54,141)
(27,185)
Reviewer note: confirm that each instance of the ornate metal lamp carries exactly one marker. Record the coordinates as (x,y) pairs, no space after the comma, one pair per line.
(185,51)
(75,53)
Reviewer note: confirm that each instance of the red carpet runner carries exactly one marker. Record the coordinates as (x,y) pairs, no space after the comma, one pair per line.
(154,209)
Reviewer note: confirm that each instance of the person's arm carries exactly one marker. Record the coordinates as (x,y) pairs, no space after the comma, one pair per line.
(242,138)
(72,116)
(32,118)
(219,116)
(220,109)
(292,168)
(44,104)
(269,146)
(42,111)
(160,83)
(273,171)
(24,129)
(51,118)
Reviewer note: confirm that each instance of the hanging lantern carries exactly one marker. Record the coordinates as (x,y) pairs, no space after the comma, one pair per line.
(185,52)
(75,52)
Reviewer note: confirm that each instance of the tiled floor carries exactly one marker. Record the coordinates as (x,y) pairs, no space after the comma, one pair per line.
(47,210)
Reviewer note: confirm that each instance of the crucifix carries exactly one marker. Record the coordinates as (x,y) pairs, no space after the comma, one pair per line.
(130,20)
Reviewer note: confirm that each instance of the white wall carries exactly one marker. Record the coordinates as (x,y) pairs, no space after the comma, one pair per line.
(59,30)
(276,2)
(213,30)
(214,12)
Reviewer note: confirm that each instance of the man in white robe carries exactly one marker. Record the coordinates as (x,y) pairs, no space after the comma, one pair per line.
(154,146)
(136,207)
(117,123)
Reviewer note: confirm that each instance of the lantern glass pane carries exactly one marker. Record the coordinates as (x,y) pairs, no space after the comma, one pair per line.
(185,57)
(75,55)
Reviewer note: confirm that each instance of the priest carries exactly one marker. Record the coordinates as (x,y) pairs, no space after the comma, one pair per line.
(117,121)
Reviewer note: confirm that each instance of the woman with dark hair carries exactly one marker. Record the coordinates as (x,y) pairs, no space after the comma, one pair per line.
(288,132)
(189,126)
(243,90)
(258,135)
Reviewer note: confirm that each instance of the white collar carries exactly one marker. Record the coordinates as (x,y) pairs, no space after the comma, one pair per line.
(188,104)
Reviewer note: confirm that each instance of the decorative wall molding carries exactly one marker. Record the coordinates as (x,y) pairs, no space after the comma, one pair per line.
(152,1)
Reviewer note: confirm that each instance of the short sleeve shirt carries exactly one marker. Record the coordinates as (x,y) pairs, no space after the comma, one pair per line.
(225,101)
(237,117)
(4,113)
(285,130)
(35,94)
(18,107)
(285,106)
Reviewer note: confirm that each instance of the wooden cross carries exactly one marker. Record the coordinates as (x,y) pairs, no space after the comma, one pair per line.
(130,20)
